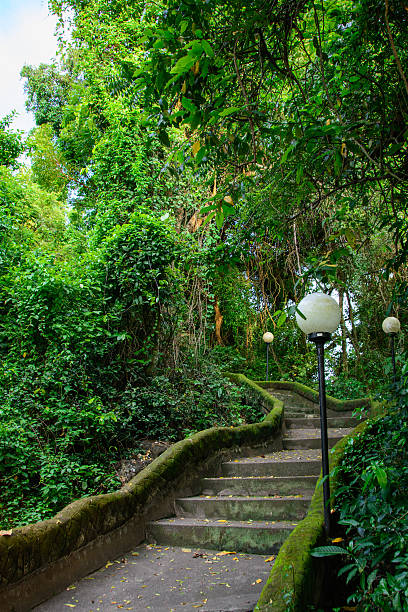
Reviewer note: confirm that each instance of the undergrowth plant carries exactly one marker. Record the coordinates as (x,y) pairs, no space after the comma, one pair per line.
(373,509)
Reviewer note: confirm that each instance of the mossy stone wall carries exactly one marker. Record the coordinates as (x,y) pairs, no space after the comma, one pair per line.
(312,395)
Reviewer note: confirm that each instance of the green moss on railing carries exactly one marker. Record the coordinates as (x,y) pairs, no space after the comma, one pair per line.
(312,395)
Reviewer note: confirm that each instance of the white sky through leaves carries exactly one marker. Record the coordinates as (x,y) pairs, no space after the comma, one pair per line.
(26,37)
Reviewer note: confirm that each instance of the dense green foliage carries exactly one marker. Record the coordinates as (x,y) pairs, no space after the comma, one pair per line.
(10,143)
(196,168)
(372,506)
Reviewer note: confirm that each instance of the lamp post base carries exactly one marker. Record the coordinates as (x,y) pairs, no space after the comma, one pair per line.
(320,339)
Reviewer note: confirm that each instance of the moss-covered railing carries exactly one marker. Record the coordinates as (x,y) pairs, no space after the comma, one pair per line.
(295,579)
(40,559)
(312,395)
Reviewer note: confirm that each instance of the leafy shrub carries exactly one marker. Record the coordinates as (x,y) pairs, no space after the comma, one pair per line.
(373,507)
(179,403)
(347,388)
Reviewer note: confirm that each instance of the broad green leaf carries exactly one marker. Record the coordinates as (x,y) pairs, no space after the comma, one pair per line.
(219,218)
(288,151)
(227,209)
(207,209)
(183,65)
(282,319)
(229,111)
(208,219)
(200,155)
(381,476)
(207,48)
(159,44)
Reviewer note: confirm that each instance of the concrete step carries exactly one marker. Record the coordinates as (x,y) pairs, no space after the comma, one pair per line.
(291,398)
(239,508)
(301,414)
(290,467)
(261,537)
(310,437)
(302,442)
(259,485)
(314,422)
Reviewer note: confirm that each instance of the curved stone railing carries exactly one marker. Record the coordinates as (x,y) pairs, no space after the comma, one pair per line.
(295,581)
(41,559)
(313,396)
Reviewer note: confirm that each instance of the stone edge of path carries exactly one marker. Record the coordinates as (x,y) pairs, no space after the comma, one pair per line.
(296,578)
(313,395)
(41,559)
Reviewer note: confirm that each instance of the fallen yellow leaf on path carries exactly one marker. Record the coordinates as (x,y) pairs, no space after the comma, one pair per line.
(270,559)
(225,552)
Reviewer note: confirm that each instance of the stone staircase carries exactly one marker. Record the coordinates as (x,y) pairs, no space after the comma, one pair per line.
(257,501)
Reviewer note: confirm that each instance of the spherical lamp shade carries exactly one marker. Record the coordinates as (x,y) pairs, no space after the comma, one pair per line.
(391,325)
(321,312)
(267,337)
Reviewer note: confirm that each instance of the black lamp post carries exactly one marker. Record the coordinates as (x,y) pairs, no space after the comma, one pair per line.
(321,317)
(267,338)
(392,327)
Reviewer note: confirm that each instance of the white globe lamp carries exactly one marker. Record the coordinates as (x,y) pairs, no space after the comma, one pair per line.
(391,325)
(268,337)
(321,314)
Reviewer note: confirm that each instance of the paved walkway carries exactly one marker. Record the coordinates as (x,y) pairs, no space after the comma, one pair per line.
(169,579)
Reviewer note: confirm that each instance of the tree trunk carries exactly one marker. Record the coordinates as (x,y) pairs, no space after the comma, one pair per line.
(218,322)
